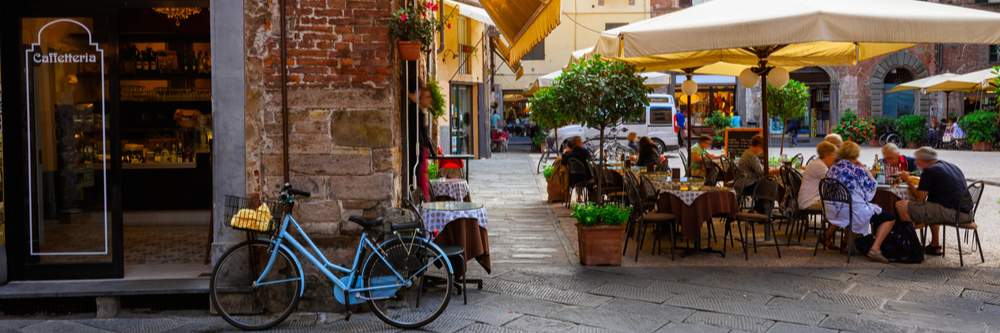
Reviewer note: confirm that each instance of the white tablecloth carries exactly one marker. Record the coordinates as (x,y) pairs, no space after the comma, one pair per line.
(687,197)
(901,192)
(435,220)
(456,189)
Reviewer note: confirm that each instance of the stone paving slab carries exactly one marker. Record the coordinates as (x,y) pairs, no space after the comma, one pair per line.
(736,322)
(616,320)
(691,328)
(751,310)
(539,324)
(543,292)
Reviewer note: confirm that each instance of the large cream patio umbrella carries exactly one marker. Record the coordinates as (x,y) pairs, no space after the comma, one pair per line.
(978,80)
(784,33)
(928,84)
(653,79)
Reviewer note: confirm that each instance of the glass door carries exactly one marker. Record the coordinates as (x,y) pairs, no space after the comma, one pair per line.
(461,118)
(68,143)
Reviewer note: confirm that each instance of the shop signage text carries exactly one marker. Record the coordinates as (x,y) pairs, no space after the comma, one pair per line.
(56,57)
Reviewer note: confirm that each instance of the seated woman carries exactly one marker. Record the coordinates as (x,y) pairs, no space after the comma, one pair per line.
(649,154)
(861,185)
(814,172)
(698,153)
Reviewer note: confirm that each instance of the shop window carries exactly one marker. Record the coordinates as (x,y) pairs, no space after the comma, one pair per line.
(536,53)
(994,54)
(461,121)
(609,26)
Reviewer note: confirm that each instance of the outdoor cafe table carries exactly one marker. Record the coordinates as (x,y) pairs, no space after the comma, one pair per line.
(887,196)
(692,208)
(453,188)
(459,223)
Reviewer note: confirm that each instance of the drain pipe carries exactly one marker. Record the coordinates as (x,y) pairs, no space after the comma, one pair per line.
(283,47)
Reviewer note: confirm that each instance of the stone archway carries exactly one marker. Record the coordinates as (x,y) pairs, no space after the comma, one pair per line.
(876,85)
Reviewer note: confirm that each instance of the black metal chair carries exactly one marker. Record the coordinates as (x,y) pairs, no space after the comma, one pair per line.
(811,158)
(582,172)
(645,215)
(713,172)
(684,162)
(976,191)
(833,191)
(766,193)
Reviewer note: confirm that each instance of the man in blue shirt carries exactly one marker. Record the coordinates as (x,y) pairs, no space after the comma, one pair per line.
(679,127)
(943,186)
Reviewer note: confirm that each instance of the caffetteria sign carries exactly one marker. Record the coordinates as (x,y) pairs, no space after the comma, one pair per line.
(63,58)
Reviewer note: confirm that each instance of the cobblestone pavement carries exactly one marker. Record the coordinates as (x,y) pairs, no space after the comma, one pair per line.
(536,286)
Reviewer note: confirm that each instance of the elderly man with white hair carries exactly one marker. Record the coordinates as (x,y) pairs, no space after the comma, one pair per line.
(941,192)
(835,139)
(895,162)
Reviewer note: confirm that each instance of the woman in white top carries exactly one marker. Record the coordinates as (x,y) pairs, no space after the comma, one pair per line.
(814,172)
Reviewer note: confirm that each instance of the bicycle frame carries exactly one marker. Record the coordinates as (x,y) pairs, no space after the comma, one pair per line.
(316,257)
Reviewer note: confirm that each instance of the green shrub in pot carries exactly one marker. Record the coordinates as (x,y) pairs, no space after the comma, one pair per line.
(912,128)
(590,214)
(980,127)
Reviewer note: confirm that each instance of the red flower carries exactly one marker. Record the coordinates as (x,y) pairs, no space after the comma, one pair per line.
(431,5)
(402,17)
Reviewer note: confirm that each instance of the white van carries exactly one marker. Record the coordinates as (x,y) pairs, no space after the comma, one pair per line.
(657,124)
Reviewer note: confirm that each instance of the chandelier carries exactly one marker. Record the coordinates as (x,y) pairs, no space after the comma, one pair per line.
(178,14)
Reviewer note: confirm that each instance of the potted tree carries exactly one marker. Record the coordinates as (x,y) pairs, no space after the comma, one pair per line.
(600,93)
(547,113)
(413,28)
(787,103)
(912,129)
(601,230)
(719,122)
(980,129)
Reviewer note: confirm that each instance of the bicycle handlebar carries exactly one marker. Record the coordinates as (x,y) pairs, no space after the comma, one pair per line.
(287,188)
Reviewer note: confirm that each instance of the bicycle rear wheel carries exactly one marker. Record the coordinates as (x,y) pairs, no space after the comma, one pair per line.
(416,261)
(250,307)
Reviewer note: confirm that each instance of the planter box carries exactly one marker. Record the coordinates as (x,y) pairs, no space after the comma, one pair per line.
(601,245)
(982,146)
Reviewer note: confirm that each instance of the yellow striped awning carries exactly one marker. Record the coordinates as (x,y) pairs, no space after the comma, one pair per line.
(504,52)
(524,23)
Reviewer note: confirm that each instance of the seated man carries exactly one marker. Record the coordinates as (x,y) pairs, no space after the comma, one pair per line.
(698,152)
(943,186)
(814,172)
(896,162)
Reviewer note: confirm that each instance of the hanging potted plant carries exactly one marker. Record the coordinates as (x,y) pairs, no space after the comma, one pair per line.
(413,28)
(601,233)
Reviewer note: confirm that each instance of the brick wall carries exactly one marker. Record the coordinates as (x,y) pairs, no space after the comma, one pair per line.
(344,125)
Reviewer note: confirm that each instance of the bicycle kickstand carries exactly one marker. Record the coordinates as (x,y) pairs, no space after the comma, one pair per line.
(347,306)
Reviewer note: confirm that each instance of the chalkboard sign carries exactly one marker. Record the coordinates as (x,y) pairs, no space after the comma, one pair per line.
(738,140)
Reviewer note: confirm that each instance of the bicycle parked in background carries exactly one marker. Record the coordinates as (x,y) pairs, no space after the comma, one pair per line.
(405,279)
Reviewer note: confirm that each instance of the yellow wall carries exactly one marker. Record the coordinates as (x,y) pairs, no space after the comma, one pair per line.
(447,64)
(581,22)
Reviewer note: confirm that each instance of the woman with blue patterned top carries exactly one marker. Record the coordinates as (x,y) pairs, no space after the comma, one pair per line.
(861,185)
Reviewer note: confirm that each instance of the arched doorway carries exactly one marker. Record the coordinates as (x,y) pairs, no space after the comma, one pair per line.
(898,103)
(897,68)
(821,89)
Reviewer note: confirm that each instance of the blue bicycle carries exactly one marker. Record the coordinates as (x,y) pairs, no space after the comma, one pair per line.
(405,279)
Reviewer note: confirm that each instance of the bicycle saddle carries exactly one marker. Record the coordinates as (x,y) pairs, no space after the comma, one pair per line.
(366,222)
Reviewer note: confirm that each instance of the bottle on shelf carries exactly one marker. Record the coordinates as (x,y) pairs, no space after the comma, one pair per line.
(152,60)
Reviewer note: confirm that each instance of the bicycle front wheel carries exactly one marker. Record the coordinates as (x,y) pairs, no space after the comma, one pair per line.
(430,283)
(251,306)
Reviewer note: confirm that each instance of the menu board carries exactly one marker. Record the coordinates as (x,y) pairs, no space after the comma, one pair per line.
(738,140)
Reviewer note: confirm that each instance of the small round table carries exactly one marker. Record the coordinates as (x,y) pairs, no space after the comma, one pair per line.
(454,188)
(459,223)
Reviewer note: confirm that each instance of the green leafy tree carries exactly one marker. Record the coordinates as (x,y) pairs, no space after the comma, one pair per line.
(719,122)
(996,83)
(546,111)
(600,93)
(787,103)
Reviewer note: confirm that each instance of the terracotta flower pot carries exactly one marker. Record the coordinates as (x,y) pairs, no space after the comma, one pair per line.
(601,245)
(408,50)
(982,146)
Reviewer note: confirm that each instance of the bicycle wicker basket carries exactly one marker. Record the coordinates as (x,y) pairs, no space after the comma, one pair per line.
(256,215)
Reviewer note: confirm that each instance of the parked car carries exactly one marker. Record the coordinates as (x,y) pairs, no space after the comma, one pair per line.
(657,123)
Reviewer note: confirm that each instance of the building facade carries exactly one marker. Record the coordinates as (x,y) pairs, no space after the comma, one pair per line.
(141,119)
